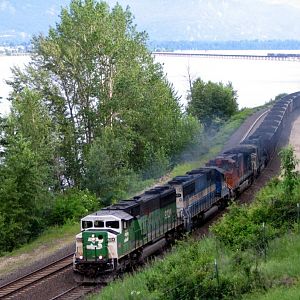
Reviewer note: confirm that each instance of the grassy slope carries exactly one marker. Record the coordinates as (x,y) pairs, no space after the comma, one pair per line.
(282,269)
(57,237)
(50,241)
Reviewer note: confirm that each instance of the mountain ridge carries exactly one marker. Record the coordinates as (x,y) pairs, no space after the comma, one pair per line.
(215,20)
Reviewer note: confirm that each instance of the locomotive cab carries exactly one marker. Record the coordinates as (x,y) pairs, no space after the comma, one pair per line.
(96,245)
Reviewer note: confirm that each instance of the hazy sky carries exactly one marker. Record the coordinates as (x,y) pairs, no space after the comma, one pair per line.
(172,19)
(295,3)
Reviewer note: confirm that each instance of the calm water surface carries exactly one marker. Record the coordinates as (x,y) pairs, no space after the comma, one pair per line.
(256,81)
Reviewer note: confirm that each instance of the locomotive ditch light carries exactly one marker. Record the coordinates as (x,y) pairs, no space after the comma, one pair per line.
(100,257)
(80,257)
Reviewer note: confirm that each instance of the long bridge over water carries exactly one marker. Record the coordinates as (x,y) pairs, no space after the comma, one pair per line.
(269,56)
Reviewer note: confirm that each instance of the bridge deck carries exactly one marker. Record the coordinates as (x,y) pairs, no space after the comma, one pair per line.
(285,57)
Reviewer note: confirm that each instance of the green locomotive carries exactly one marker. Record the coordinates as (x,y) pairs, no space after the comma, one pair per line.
(123,234)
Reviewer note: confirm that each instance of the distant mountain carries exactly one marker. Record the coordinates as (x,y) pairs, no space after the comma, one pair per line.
(20,19)
(214,20)
(217,19)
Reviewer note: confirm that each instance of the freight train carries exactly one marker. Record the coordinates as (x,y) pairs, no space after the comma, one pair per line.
(123,234)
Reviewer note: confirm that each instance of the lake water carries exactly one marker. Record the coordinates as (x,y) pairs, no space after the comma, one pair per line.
(256,81)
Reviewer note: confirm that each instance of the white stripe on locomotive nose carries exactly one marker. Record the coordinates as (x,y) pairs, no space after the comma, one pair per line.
(93,247)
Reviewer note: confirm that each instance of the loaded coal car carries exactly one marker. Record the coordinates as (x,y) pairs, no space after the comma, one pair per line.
(288,99)
(123,234)
(272,123)
(283,104)
(274,117)
(269,138)
(281,112)
(286,106)
(198,194)
(296,100)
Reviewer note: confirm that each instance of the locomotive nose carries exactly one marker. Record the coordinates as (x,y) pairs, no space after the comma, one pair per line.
(95,245)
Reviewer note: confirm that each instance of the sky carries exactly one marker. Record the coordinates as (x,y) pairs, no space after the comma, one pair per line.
(294,3)
(171,19)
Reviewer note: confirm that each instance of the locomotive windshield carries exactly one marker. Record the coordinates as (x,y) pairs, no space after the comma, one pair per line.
(100,224)
(113,224)
(87,224)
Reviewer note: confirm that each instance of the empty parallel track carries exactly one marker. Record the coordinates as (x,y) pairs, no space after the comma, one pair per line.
(77,292)
(12,289)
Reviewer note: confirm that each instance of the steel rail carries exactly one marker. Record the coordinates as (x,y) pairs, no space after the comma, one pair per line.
(75,292)
(21,283)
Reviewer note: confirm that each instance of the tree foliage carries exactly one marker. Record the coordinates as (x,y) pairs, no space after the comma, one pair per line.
(94,74)
(212,103)
(71,206)
(275,206)
(23,194)
(91,111)
(288,165)
(108,174)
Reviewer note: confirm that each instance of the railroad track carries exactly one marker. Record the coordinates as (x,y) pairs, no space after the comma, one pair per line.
(75,292)
(14,288)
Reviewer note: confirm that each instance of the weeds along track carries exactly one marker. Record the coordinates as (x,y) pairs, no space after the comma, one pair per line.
(13,289)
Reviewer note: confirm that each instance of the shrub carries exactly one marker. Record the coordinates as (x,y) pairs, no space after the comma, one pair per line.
(71,206)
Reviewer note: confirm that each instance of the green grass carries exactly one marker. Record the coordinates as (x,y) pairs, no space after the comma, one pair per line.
(292,293)
(49,237)
(161,277)
(191,266)
(282,270)
(283,259)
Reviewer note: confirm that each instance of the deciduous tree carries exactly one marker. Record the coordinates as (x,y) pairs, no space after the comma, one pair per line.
(212,103)
(94,73)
